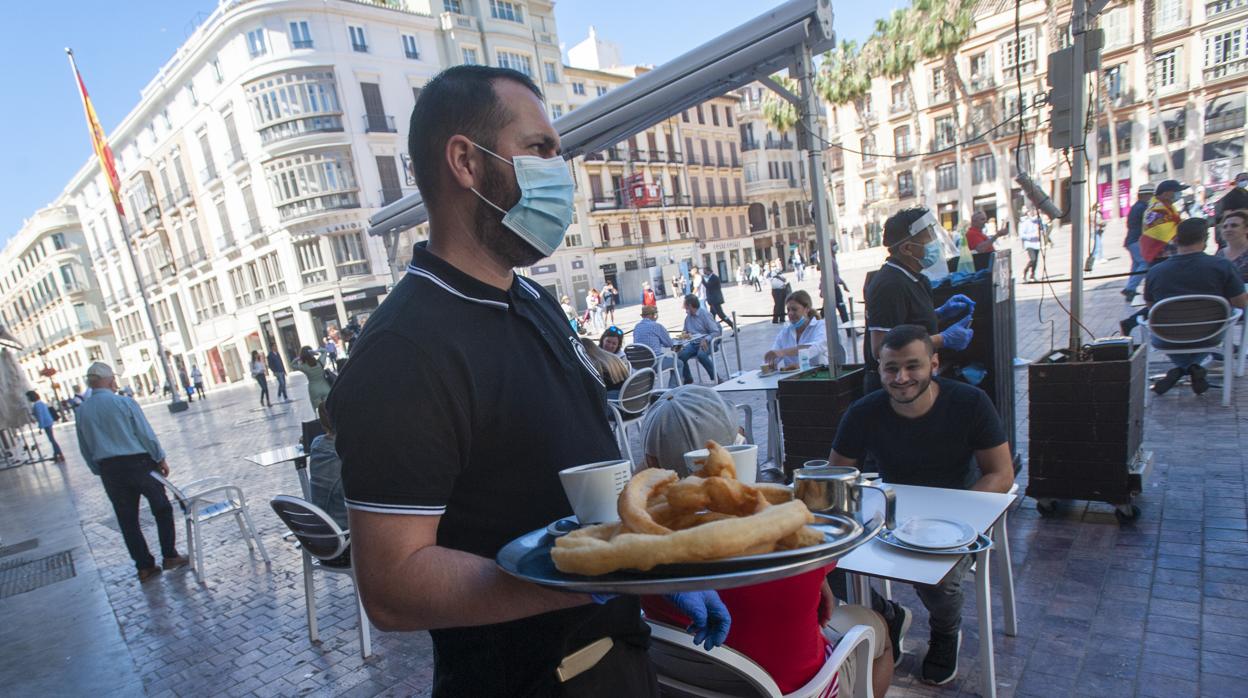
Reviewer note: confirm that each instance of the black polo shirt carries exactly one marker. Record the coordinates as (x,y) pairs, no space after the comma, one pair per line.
(895,296)
(464,401)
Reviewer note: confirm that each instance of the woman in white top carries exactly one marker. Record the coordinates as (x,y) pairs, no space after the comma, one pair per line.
(804,331)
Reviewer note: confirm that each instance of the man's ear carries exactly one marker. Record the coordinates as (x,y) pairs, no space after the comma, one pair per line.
(935,363)
(464,161)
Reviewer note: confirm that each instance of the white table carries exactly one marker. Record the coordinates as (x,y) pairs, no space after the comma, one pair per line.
(286,454)
(982,511)
(752,381)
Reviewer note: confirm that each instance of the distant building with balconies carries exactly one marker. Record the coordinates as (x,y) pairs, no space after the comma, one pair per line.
(52,302)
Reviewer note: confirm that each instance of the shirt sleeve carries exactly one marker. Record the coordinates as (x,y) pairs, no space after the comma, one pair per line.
(1232,284)
(886,307)
(84,447)
(986,430)
(402,429)
(143,430)
(851,440)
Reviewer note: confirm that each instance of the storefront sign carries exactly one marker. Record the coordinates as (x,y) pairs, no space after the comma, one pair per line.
(543,269)
(607,268)
(320,303)
(283,314)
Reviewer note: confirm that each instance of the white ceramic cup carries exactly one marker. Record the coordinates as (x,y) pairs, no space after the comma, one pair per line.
(594,488)
(744,459)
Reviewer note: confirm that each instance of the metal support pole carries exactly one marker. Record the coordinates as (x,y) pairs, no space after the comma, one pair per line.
(1078,178)
(736,339)
(176,403)
(825,216)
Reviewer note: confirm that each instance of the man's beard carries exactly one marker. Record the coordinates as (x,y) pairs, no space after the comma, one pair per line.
(488,228)
(924,386)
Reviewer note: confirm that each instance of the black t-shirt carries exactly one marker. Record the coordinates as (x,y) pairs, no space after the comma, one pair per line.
(464,401)
(714,289)
(895,296)
(935,450)
(1196,273)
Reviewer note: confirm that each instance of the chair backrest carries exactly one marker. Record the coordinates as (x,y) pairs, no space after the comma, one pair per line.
(692,670)
(1194,320)
(178,494)
(310,430)
(316,531)
(640,356)
(635,392)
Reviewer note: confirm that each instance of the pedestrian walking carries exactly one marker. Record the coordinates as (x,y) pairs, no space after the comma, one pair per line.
(647,294)
(715,297)
(799,267)
(258,372)
(780,289)
(610,298)
(1029,233)
(756,277)
(1135,228)
(313,365)
(593,307)
(119,446)
(331,350)
(278,367)
(696,285)
(45,420)
(197,377)
(185,380)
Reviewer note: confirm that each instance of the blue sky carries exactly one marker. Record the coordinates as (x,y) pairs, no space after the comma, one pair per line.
(120,46)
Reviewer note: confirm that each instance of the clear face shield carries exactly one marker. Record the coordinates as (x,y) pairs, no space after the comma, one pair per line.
(932,244)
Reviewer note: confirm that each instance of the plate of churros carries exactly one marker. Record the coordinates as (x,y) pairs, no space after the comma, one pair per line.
(705,531)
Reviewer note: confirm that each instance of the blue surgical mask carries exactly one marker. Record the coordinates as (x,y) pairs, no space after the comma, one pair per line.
(800,323)
(933,254)
(544,211)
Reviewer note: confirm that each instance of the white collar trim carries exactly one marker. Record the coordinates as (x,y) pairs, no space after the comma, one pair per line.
(424,273)
(903,270)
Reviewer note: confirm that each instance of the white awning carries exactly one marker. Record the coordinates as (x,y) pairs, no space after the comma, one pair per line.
(759,48)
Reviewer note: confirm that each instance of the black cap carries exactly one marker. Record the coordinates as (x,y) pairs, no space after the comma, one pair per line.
(1170,185)
(897,227)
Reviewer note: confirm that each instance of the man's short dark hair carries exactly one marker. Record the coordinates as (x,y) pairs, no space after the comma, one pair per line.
(691,301)
(901,336)
(459,100)
(897,227)
(1193,231)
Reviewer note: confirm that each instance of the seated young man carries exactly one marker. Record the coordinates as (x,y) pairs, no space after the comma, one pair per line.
(777,624)
(925,430)
(1191,271)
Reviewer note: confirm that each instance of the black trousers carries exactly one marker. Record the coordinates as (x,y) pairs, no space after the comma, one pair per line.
(777,310)
(717,310)
(125,479)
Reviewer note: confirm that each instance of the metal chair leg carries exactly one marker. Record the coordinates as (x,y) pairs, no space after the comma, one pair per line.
(251,528)
(242,529)
(309,596)
(1228,367)
(1001,541)
(199,553)
(366,639)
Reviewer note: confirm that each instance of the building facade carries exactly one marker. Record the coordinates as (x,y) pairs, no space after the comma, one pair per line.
(52,302)
(908,144)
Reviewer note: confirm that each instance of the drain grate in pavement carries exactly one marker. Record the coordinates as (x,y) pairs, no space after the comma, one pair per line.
(7,550)
(21,576)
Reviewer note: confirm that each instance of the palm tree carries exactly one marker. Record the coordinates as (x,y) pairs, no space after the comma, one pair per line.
(944,26)
(1150,81)
(780,113)
(898,56)
(843,77)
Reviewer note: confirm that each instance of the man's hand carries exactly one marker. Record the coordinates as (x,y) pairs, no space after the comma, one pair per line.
(709,618)
(955,306)
(705,345)
(163,467)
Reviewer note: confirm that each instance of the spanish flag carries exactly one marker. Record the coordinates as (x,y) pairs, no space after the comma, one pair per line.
(1161,222)
(98,141)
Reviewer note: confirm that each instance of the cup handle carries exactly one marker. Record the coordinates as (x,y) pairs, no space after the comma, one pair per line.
(890,504)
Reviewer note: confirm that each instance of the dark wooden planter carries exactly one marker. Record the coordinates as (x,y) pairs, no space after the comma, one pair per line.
(811,405)
(1087,424)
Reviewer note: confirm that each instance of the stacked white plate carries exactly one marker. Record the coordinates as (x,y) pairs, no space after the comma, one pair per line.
(934,534)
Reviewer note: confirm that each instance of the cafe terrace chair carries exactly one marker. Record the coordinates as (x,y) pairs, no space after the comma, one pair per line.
(629,408)
(204,500)
(325,547)
(1195,324)
(640,356)
(687,669)
(717,356)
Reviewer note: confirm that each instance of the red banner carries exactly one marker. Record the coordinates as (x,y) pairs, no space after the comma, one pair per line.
(98,141)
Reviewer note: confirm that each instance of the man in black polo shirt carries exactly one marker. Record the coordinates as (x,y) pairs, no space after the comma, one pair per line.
(925,430)
(901,294)
(465,396)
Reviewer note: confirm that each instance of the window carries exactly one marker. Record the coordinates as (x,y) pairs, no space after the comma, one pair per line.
(190,94)
(216,71)
(1164,65)
(871,191)
(1222,114)
(1157,163)
(905,184)
(838,191)
(556,111)
(350,258)
(1113,82)
(300,37)
(516,61)
(1122,137)
(552,73)
(600,89)
(868,151)
(1176,128)
(1217,7)
(980,67)
(309,182)
(410,48)
(1169,14)
(946,132)
(456,6)
(701,115)
(1020,51)
(983,168)
(255,43)
(510,11)
(901,141)
(470,57)
(946,177)
(714,115)
(311,265)
(58,239)
(1117,26)
(359,42)
(578,88)
(206,299)
(938,85)
(899,101)
(1022,157)
(291,104)
(1223,48)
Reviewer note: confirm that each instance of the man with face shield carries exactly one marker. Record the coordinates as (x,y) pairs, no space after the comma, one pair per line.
(900,293)
(453,415)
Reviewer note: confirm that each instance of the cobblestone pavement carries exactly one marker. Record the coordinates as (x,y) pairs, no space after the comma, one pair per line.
(1156,608)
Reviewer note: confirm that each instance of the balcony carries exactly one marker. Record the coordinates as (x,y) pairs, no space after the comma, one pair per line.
(1226,70)
(749,145)
(302,126)
(778,143)
(657,156)
(868,119)
(979,83)
(546,38)
(192,258)
(250,229)
(170,205)
(151,215)
(868,164)
(389,196)
(615,155)
(235,154)
(675,157)
(637,155)
(182,193)
(379,123)
(451,21)
(1215,8)
(301,43)
(316,204)
(899,108)
(606,203)
(1169,25)
(208,175)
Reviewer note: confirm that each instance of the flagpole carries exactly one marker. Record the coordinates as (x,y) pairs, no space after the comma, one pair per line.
(176,404)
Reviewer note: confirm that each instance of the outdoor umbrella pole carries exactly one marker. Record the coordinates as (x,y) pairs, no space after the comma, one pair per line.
(820,211)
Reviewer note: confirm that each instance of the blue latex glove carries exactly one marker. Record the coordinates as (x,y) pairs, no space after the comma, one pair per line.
(601,599)
(709,616)
(958,305)
(958,336)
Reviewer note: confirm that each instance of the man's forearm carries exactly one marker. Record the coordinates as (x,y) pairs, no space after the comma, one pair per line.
(994,482)
(439,587)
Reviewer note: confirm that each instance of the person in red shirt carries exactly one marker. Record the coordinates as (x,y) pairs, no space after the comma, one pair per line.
(779,624)
(975,237)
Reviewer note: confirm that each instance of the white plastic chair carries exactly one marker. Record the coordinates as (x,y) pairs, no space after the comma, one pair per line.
(202,501)
(322,544)
(640,356)
(1195,324)
(688,669)
(629,408)
(717,356)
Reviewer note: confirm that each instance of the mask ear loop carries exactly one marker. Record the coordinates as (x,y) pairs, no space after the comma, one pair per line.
(474,189)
